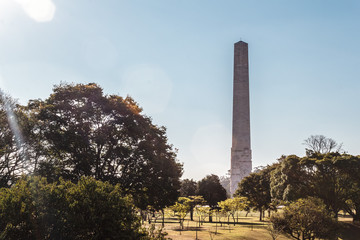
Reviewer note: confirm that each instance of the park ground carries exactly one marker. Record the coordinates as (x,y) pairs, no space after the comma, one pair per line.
(247,228)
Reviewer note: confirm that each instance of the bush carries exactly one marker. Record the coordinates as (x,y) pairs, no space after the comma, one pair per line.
(90,209)
(306,219)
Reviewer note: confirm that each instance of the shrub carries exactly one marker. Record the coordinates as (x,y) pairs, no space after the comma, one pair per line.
(306,219)
(90,209)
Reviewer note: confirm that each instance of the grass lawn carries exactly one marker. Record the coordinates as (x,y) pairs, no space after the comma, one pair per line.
(247,228)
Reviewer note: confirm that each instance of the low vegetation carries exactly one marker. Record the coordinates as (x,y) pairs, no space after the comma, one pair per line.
(90,209)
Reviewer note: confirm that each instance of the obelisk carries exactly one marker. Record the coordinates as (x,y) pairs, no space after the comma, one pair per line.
(240,151)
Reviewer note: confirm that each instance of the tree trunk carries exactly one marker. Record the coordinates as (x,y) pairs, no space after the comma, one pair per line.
(182,224)
(192,214)
(163,218)
(261,214)
(142,216)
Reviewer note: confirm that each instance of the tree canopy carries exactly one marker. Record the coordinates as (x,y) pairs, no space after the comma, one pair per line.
(188,188)
(79,131)
(211,190)
(330,177)
(306,219)
(90,209)
(256,188)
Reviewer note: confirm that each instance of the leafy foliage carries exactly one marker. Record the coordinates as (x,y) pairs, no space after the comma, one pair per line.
(290,180)
(306,219)
(256,188)
(331,177)
(211,190)
(188,188)
(90,209)
(181,209)
(203,212)
(82,132)
(232,205)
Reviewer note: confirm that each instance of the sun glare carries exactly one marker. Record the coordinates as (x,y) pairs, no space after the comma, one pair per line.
(39,10)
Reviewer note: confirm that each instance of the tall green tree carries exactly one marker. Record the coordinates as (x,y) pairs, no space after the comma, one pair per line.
(291,179)
(188,188)
(326,176)
(211,190)
(256,188)
(349,168)
(82,132)
(328,182)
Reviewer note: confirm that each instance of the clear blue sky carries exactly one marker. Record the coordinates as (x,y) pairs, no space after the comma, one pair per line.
(175,57)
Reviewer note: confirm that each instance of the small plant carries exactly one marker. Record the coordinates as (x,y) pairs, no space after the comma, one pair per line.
(181,209)
(156,233)
(274,232)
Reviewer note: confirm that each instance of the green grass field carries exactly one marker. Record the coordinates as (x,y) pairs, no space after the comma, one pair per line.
(247,228)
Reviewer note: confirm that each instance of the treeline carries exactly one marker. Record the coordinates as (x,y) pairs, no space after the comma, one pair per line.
(332,177)
(309,190)
(77,132)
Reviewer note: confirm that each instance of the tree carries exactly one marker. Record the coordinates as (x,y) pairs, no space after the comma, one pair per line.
(349,168)
(321,144)
(181,209)
(326,176)
(13,148)
(83,132)
(328,181)
(202,212)
(188,188)
(232,205)
(193,202)
(211,190)
(306,219)
(90,209)
(256,188)
(290,180)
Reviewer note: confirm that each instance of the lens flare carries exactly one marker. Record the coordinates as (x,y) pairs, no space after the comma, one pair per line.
(39,10)
(13,123)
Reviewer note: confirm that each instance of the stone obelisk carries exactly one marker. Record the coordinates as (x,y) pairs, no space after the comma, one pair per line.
(240,151)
